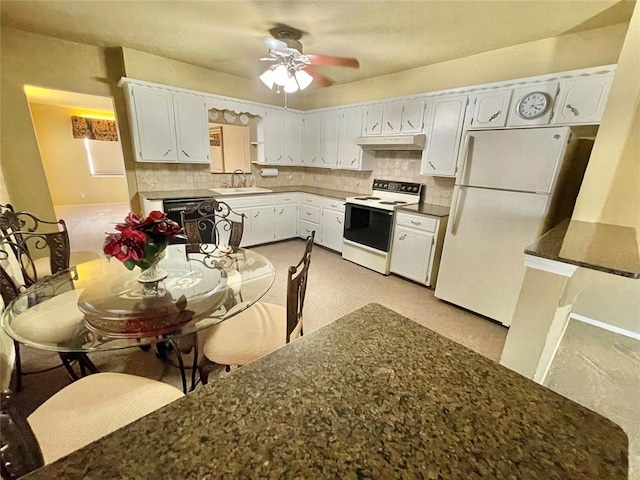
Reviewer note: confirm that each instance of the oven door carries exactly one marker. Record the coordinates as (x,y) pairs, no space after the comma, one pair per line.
(368,226)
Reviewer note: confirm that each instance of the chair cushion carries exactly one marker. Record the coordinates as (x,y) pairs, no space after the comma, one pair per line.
(43,265)
(251,334)
(93,407)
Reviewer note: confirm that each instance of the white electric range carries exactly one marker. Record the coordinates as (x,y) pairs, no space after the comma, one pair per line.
(368,226)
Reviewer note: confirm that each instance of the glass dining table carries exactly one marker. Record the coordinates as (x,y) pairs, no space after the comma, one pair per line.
(100,305)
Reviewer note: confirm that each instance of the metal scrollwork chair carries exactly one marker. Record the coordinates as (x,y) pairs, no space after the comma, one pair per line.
(75,416)
(44,247)
(18,270)
(261,328)
(213,222)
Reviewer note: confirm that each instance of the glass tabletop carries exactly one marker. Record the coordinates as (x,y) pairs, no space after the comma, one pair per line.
(100,305)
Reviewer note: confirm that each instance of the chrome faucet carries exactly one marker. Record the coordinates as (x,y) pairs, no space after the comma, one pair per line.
(244,177)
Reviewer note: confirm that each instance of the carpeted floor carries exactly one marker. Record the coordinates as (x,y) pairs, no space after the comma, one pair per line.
(336,287)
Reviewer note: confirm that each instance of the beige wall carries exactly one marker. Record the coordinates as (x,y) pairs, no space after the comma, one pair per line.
(611,188)
(65,160)
(29,59)
(581,50)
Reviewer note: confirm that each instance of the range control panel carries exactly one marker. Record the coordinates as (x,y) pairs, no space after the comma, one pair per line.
(400,187)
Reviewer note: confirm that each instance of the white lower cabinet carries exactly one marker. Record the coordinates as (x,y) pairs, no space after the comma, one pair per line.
(286,221)
(332,224)
(416,247)
(262,223)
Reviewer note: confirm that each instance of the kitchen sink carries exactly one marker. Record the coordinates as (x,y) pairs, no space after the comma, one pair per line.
(239,190)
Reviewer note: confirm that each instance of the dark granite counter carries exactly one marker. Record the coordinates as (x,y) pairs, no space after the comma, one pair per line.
(598,246)
(371,395)
(204,193)
(427,209)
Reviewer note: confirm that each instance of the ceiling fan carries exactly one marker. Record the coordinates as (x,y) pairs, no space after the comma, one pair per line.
(292,69)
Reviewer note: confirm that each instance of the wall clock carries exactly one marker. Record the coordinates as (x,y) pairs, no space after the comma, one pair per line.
(229,116)
(533,105)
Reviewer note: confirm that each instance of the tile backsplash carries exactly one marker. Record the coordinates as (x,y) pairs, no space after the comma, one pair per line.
(400,166)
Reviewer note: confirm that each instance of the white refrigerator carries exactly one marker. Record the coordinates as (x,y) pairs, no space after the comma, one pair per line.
(500,202)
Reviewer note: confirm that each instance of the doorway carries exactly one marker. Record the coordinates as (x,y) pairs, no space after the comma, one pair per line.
(81,153)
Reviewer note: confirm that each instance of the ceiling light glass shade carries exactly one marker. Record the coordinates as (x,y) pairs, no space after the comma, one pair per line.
(280,75)
(267,78)
(291,85)
(304,79)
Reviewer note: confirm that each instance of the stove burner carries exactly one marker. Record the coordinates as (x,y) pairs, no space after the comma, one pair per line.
(396,202)
(367,198)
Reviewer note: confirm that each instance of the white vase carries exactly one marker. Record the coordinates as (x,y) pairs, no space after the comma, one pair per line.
(154,273)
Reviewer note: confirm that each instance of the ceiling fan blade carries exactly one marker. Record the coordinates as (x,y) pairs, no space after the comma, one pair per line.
(338,61)
(275,44)
(319,77)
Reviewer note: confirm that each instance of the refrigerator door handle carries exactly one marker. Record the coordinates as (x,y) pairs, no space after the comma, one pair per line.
(464,157)
(454,210)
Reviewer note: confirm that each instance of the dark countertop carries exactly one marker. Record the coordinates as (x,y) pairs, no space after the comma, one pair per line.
(204,193)
(371,395)
(427,209)
(598,246)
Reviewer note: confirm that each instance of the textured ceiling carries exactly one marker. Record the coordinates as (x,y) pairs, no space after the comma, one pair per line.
(385,36)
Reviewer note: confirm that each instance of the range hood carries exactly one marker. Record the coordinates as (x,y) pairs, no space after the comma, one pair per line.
(392,142)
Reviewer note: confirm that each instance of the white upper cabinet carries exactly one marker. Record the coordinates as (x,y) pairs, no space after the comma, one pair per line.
(274,137)
(490,109)
(533,104)
(168,126)
(192,128)
(330,134)
(311,139)
(392,118)
(293,138)
(373,120)
(443,137)
(413,116)
(582,100)
(350,153)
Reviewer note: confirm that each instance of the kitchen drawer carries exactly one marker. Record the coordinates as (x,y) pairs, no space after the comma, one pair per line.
(246,201)
(305,228)
(333,204)
(312,200)
(310,214)
(419,222)
(285,198)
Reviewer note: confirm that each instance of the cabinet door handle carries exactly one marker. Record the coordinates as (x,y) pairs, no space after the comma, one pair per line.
(374,126)
(186,154)
(167,152)
(308,213)
(338,220)
(353,161)
(290,157)
(573,110)
(281,212)
(322,158)
(334,205)
(402,237)
(256,215)
(431,165)
(279,158)
(410,124)
(287,199)
(415,223)
(495,115)
(390,126)
(313,160)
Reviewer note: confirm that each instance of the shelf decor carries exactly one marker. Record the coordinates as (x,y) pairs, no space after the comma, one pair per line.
(141,242)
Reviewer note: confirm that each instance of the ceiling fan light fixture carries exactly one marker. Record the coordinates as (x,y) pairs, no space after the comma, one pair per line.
(303,79)
(267,78)
(280,75)
(291,85)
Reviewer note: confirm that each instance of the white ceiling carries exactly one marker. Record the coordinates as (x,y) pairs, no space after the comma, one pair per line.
(385,36)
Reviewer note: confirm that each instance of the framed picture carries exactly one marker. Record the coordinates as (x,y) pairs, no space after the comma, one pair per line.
(215,137)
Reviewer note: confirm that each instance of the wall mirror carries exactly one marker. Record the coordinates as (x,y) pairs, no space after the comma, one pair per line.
(230,138)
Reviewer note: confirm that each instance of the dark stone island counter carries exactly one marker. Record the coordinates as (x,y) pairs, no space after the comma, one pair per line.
(371,395)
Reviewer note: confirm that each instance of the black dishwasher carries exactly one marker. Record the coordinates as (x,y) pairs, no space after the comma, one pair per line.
(173,208)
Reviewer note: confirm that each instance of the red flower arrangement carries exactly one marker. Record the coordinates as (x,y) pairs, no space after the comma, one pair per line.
(140,240)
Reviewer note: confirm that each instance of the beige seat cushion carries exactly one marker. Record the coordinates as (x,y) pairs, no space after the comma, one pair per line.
(93,407)
(43,265)
(251,334)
